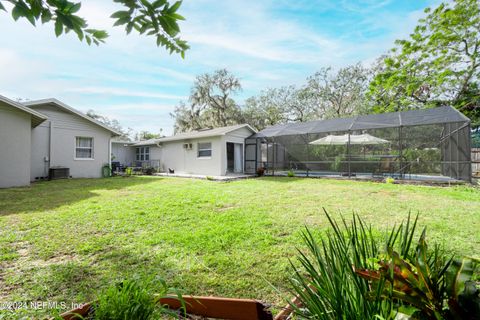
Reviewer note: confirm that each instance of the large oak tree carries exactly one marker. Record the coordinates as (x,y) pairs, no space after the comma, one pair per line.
(210,104)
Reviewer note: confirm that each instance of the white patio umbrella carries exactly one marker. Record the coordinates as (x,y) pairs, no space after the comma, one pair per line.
(332,140)
(362,139)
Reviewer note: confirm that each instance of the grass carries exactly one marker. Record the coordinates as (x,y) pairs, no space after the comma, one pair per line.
(67,240)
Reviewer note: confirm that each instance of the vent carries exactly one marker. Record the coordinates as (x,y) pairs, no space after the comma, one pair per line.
(187,146)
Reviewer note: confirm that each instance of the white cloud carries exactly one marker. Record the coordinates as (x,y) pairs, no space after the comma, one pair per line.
(134,106)
(364,6)
(266,43)
(249,29)
(124,93)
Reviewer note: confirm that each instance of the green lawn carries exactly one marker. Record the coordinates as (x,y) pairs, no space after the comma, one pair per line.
(65,240)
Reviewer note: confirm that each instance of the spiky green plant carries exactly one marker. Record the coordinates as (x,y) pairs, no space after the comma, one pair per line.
(326,283)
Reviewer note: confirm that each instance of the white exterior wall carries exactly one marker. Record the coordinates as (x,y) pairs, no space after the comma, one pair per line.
(55,139)
(123,154)
(40,151)
(15,129)
(155,153)
(237,136)
(174,156)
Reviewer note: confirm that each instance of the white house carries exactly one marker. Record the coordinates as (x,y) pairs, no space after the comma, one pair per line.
(16,125)
(37,136)
(216,152)
(69,139)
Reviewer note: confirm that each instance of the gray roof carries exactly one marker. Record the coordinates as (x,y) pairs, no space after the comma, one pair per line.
(196,134)
(373,121)
(37,117)
(148,142)
(58,103)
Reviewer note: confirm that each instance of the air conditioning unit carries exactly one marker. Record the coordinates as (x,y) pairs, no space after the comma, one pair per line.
(187,146)
(55,173)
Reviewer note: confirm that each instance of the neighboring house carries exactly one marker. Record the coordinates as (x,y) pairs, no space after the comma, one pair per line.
(215,152)
(16,124)
(70,139)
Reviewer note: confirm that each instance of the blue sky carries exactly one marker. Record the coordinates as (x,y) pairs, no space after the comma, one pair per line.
(266,43)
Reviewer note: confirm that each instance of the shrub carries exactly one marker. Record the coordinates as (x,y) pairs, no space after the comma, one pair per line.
(149,171)
(290,173)
(337,163)
(347,275)
(389,180)
(433,287)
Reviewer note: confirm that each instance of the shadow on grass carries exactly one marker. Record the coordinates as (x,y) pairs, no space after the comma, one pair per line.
(78,278)
(48,195)
(283,179)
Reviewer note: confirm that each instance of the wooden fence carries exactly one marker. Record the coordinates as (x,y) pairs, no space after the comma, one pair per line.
(476,162)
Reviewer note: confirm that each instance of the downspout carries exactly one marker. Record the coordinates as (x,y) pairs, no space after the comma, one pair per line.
(161,156)
(110,152)
(48,163)
(244,154)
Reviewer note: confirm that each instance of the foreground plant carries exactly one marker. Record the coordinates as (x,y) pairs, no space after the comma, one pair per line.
(348,275)
(435,289)
(131,299)
(326,284)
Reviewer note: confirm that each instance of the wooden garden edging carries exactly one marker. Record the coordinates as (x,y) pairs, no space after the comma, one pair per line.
(221,308)
(211,307)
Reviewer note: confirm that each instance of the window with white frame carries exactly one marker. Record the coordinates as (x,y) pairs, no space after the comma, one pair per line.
(83,148)
(142,153)
(204,149)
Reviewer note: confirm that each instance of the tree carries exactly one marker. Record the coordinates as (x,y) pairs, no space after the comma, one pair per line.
(112,123)
(146,135)
(326,94)
(153,18)
(263,110)
(187,117)
(277,105)
(438,65)
(334,95)
(210,103)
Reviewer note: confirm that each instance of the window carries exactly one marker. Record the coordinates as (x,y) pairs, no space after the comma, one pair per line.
(83,148)
(142,153)
(204,149)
